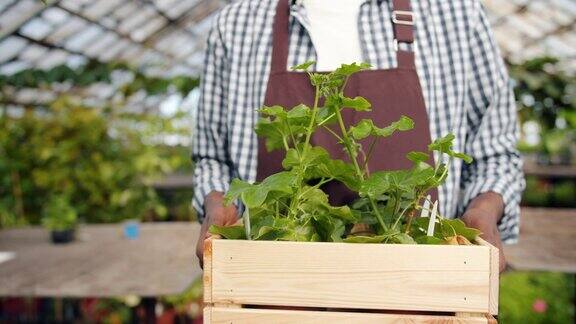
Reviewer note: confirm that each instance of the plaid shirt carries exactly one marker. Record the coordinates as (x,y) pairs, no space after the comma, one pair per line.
(465,85)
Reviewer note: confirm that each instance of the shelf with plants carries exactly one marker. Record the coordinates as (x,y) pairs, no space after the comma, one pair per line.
(92,152)
(547,108)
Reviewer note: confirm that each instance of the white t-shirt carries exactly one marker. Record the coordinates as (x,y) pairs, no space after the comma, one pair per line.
(333,28)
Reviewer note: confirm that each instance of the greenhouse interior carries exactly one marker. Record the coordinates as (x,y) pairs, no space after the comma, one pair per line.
(98,105)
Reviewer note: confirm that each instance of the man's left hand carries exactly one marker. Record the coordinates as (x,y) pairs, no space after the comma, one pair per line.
(483,213)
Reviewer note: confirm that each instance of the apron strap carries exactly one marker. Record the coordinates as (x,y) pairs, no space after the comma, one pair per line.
(403,22)
(280,37)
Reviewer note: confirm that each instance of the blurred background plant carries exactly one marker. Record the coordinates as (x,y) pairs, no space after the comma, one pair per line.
(98,154)
(546,97)
(537,297)
(58,214)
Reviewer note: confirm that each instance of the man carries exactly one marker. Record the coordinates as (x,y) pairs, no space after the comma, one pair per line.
(433,60)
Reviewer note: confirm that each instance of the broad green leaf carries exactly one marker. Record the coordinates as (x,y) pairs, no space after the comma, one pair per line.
(444,145)
(274,133)
(466,158)
(416,157)
(315,201)
(299,113)
(402,238)
(362,129)
(312,156)
(337,169)
(452,227)
(325,116)
(235,232)
(349,69)
(303,66)
(329,229)
(269,233)
(357,103)
(365,239)
(237,187)
(299,233)
(274,111)
(254,196)
(366,127)
(377,184)
(429,240)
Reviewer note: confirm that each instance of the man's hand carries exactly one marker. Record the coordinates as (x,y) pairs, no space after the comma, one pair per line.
(215,214)
(483,213)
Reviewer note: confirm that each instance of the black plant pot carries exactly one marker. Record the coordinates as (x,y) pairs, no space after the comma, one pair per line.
(63,236)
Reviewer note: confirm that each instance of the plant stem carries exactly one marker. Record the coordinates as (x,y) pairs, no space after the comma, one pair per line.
(352,154)
(300,172)
(369,155)
(312,119)
(409,224)
(333,133)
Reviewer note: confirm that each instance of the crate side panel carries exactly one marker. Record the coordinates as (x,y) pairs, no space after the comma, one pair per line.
(207,270)
(494,275)
(265,316)
(361,276)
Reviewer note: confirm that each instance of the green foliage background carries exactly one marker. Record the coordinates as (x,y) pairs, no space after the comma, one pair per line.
(547,94)
(519,291)
(102,160)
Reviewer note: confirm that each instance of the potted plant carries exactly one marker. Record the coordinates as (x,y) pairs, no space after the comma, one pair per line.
(277,256)
(61,219)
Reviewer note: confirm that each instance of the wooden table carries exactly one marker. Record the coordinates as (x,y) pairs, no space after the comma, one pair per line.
(550,171)
(547,241)
(101,263)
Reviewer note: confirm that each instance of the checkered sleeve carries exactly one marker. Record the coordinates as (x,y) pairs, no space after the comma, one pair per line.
(492,131)
(210,145)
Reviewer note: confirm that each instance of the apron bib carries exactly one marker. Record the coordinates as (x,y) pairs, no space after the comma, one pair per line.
(392,93)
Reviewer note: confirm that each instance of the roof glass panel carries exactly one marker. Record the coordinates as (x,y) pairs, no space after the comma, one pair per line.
(169,35)
(10,47)
(99,9)
(81,39)
(14,67)
(149,27)
(33,53)
(65,30)
(37,28)
(55,15)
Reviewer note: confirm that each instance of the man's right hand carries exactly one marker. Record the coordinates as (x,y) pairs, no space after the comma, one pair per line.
(216,213)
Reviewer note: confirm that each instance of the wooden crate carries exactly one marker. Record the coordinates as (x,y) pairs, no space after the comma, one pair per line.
(251,281)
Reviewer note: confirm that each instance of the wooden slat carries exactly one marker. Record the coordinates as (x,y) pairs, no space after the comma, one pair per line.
(207,277)
(494,275)
(267,316)
(550,171)
(546,241)
(207,315)
(362,276)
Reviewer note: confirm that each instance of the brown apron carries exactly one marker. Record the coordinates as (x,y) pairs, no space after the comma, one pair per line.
(392,92)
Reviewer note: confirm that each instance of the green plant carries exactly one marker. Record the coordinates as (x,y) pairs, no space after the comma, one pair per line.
(290,205)
(100,159)
(537,297)
(59,214)
(101,155)
(547,95)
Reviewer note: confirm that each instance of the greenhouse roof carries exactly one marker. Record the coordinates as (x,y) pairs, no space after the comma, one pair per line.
(166,37)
